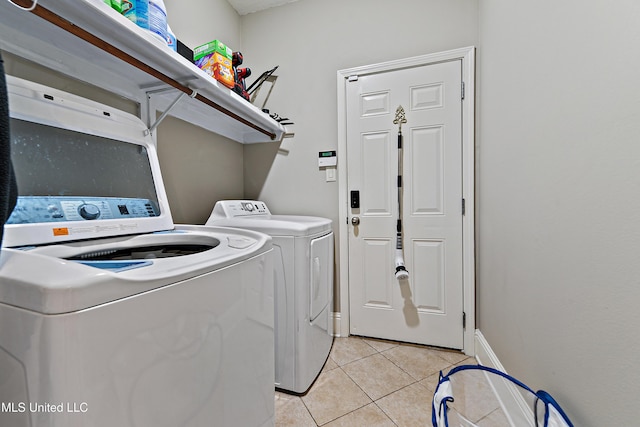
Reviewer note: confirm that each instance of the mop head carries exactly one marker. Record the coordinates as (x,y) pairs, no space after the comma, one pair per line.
(401,273)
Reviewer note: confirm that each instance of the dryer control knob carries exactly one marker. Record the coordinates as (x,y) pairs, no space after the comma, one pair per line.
(89,211)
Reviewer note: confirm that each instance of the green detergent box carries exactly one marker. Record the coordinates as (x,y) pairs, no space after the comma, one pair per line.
(208,49)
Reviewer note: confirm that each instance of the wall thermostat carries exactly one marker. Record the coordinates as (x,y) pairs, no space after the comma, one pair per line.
(327,158)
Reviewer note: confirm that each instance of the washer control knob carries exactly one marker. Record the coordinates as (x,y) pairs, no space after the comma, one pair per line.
(88,211)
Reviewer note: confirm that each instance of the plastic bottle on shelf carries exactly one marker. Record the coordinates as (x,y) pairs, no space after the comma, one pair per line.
(138,12)
(158,18)
(171,39)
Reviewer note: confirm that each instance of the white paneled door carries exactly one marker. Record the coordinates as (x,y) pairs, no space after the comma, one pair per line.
(428,307)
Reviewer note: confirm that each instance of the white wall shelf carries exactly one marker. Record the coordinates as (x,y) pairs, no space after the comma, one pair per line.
(90,42)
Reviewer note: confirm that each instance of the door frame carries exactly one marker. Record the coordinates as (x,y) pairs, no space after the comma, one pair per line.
(467,56)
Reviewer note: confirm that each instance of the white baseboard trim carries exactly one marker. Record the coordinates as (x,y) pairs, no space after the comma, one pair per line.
(337,323)
(513,404)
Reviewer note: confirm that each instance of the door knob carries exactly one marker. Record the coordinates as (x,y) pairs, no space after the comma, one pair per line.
(355,220)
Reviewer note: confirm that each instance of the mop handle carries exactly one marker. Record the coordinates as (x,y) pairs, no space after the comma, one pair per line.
(401,271)
(399,223)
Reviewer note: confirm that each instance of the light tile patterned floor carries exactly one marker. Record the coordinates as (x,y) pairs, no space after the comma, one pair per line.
(372,383)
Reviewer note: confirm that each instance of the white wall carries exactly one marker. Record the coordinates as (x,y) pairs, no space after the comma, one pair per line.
(558,166)
(198,166)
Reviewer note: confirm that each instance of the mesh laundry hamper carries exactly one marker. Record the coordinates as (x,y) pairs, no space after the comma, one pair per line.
(464,397)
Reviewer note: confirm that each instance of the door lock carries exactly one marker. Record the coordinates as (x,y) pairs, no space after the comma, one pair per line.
(355,199)
(355,221)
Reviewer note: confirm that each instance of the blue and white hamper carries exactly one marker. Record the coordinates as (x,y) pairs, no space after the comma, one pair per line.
(465,396)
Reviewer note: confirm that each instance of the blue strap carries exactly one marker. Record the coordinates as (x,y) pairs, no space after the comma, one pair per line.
(443,406)
(488,369)
(548,400)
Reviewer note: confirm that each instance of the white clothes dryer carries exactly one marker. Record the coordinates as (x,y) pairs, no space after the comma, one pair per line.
(110,314)
(303,280)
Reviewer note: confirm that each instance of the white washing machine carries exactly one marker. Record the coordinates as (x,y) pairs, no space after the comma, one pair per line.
(110,314)
(303,269)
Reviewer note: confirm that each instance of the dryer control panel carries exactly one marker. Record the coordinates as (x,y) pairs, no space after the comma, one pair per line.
(238,208)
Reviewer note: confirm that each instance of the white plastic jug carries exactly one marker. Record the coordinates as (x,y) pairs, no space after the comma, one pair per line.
(158,18)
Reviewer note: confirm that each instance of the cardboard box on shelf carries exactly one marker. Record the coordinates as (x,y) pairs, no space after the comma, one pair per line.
(214,58)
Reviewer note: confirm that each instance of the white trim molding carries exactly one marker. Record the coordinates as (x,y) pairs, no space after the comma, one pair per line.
(513,403)
(467,56)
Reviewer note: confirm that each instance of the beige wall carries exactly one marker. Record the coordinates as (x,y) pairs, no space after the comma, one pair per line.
(311,40)
(557,168)
(200,167)
(557,162)
(196,22)
(558,232)
(19,67)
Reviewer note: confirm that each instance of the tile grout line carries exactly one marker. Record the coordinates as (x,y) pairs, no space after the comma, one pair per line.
(378,352)
(371,401)
(381,352)
(367,394)
(449,366)
(307,409)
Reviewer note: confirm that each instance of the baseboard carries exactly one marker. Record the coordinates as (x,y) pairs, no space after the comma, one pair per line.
(337,323)
(513,404)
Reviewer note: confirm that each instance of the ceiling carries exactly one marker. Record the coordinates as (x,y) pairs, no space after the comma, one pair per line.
(244,7)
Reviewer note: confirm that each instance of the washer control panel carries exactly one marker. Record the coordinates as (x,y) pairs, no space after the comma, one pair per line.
(238,208)
(39,209)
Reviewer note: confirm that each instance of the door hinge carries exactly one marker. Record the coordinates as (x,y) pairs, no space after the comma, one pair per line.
(464,206)
(462,92)
(464,320)
(353,78)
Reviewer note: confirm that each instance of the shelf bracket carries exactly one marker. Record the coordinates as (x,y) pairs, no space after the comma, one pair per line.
(166,112)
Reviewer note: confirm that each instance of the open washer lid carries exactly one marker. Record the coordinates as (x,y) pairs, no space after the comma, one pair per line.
(84,170)
(92,223)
